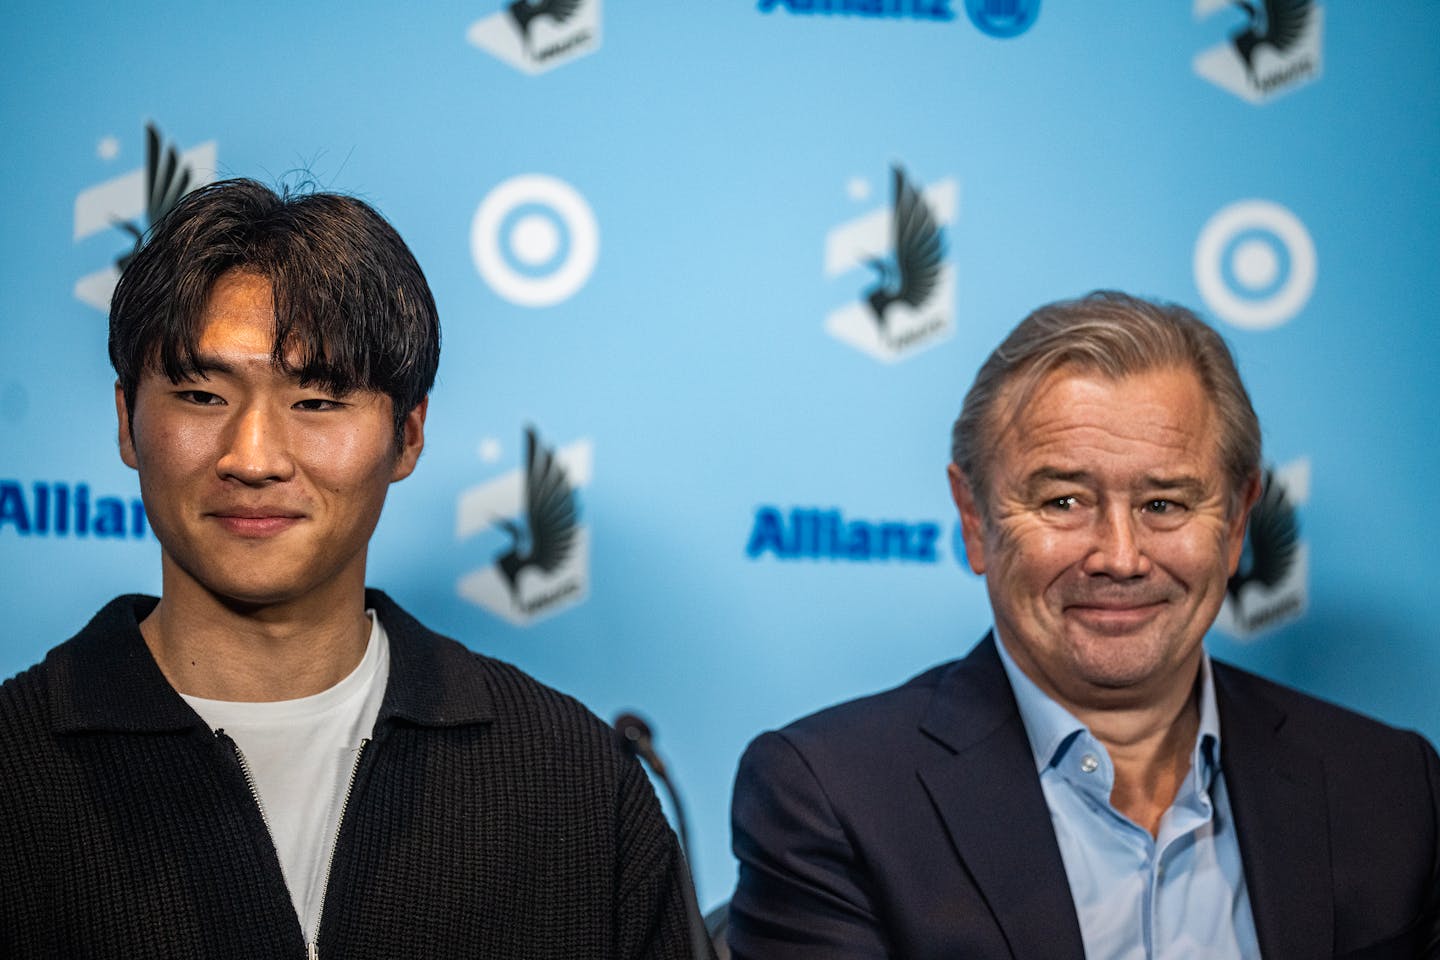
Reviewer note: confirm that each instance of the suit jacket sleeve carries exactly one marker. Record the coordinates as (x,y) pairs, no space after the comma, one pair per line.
(1431,930)
(802,895)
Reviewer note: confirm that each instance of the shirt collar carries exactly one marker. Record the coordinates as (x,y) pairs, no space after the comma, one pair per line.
(1051,728)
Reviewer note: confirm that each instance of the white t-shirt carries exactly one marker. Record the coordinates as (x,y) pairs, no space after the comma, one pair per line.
(301,754)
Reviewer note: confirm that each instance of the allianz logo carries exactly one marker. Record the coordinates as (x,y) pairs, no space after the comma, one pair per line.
(45,509)
(815,533)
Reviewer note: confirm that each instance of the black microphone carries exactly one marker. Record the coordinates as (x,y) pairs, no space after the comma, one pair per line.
(637,739)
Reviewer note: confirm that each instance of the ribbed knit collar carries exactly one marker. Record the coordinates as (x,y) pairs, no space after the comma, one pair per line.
(104,678)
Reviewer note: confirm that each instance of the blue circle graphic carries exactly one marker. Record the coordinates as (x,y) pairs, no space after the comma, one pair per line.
(1244,279)
(1003,18)
(526,217)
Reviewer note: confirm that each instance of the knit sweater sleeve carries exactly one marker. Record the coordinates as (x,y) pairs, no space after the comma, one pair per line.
(650,902)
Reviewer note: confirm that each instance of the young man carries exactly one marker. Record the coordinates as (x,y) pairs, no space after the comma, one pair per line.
(270,760)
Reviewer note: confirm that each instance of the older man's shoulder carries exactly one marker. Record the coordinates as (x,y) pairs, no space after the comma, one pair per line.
(871,736)
(1303,718)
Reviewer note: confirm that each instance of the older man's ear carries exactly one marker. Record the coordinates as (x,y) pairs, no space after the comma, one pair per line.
(972,518)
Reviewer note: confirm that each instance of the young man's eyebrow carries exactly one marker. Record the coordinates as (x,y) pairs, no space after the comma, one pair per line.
(205,363)
(208,363)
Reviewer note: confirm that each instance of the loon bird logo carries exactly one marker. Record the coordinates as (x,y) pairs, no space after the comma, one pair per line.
(538,35)
(906,298)
(913,271)
(1270,587)
(167,179)
(1279,24)
(1271,540)
(1278,48)
(523,11)
(132,202)
(551,517)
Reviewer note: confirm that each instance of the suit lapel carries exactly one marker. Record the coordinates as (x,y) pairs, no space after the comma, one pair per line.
(1277,796)
(990,800)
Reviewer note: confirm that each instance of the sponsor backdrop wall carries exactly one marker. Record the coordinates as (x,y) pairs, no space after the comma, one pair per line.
(714,277)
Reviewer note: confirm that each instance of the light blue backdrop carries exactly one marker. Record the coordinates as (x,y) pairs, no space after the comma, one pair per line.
(691,380)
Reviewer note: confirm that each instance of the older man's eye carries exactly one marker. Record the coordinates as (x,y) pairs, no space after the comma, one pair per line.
(1164,506)
(1064,504)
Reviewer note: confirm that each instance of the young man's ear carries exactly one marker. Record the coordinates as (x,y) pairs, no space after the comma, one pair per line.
(972,518)
(127,439)
(412,441)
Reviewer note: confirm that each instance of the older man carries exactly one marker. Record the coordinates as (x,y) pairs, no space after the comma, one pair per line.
(268,760)
(1087,782)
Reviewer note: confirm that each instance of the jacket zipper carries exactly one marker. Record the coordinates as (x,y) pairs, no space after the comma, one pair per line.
(312,947)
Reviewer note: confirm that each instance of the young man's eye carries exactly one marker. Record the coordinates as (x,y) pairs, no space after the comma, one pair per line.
(319,403)
(199,397)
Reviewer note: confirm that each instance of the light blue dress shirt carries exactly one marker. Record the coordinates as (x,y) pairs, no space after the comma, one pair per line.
(1180,894)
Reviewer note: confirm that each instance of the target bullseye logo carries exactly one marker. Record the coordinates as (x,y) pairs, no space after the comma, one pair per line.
(534,240)
(1255,264)
(1003,18)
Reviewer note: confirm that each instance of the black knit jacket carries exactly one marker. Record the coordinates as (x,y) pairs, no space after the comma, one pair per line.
(490,817)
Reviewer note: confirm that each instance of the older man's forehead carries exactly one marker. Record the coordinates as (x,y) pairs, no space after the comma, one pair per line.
(1025,388)
(1159,425)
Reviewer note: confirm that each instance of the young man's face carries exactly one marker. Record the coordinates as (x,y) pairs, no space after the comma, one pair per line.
(260,491)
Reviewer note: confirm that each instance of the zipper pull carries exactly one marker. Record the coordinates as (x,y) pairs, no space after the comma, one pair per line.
(312,951)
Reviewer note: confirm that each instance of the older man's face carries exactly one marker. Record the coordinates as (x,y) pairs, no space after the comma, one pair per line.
(1109,534)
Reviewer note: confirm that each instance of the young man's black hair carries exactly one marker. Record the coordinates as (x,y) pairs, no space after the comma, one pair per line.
(352,308)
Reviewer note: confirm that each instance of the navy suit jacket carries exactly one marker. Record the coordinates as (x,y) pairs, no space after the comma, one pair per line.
(911,825)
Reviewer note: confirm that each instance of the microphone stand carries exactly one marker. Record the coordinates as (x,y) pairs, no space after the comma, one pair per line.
(637,740)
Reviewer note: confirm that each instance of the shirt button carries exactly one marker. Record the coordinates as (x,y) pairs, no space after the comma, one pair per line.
(1089,763)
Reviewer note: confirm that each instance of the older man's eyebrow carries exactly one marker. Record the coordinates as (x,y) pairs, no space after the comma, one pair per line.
(1185,482)
(1042,477)
(1048,475)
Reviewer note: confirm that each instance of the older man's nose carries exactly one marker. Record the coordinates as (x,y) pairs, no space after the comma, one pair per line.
(1118,547)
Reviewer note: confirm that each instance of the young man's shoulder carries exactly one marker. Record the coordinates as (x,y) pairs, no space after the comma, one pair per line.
(81,667)
(439,677)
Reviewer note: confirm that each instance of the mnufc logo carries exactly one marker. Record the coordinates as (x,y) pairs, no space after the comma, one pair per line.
(65,510)
(890,9)
(1276,50)
(133,201)
(811,533)
(539,35)
(909,304)
(544,567)
(1271,586)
